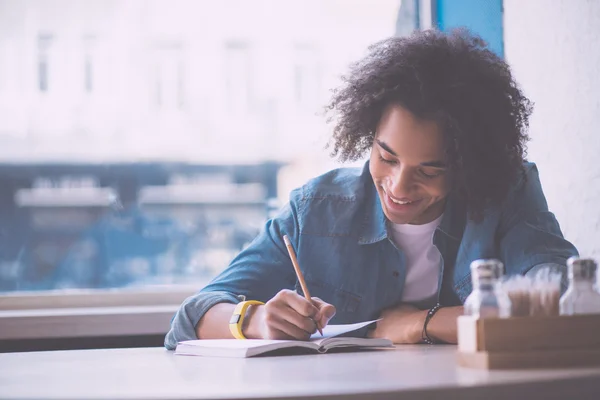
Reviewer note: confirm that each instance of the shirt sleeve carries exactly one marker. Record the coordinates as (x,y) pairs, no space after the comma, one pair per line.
(257,273)
(529,234)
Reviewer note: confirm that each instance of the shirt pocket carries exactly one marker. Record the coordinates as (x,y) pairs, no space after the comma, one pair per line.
(346,303)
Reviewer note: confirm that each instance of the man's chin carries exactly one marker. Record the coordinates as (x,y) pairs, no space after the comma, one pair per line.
(399,219)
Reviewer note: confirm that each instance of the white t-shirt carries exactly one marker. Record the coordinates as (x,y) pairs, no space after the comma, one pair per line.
(423,259)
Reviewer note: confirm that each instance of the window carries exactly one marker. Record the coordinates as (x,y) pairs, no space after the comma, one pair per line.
(168,76)
(306,77)
(238,75)
(4,63)
(44,45)
(89,43)
(150,208)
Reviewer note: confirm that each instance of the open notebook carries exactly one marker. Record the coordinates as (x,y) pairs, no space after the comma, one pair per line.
(254,347)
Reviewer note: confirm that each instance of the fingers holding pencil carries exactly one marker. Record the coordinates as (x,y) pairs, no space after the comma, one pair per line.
(326,311)
(287,316)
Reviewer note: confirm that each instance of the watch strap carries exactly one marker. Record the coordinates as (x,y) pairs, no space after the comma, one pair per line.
(238,316)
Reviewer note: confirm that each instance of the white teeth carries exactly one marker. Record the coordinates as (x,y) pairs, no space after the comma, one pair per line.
(400,202)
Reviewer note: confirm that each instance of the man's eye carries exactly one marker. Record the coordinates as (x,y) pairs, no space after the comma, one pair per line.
(391,162)
(431,175)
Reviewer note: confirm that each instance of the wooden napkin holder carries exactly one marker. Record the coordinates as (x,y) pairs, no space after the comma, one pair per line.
(529,342)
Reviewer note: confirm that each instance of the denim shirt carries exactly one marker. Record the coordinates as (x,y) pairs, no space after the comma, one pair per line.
(340,233)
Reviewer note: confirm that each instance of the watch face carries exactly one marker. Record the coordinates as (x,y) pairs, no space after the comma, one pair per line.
(235,318)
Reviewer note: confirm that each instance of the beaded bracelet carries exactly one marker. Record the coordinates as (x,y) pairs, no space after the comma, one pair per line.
(430,314)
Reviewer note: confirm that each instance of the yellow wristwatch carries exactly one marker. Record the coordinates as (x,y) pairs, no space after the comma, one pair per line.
(237,319)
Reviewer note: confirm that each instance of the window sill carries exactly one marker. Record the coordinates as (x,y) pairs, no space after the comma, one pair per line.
(90,313)
(88,298)
(85,322)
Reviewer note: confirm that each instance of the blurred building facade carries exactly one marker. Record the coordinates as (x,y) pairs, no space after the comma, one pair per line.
(144,142)
(209,81)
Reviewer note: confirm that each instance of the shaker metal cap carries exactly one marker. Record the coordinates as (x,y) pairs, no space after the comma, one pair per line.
(487,268)
(582,268)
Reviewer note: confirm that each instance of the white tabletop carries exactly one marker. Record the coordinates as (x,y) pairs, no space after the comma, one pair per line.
(406,372)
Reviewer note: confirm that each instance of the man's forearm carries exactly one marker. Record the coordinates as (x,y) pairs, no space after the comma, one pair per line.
(442,326)
(185,322)
(215,323)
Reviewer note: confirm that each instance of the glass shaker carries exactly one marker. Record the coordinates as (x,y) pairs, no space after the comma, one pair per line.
(581,297)
(487,300)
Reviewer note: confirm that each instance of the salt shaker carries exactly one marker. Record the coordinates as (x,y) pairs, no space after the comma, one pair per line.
(487,300)
(581,297)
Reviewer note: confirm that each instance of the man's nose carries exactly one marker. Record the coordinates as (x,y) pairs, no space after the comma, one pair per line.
(402,183)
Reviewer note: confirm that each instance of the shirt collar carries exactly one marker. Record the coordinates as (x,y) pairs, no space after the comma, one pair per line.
(454,219)
(374,227)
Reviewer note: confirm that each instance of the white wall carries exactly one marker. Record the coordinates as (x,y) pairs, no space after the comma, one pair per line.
(553,47)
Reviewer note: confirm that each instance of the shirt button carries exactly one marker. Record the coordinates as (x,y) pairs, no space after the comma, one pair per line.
(396,274)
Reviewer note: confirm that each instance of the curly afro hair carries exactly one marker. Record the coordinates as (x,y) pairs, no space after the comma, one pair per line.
(453,79)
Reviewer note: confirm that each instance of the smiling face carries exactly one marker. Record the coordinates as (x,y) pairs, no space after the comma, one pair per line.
(408,166)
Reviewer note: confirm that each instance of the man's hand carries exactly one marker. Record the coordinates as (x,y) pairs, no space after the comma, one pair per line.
(287,316)
(402,324)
